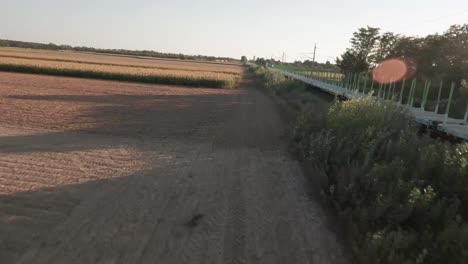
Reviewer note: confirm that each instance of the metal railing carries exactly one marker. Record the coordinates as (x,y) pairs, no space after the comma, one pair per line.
(354,85)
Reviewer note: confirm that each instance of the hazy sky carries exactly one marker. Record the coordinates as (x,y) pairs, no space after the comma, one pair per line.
(222,28)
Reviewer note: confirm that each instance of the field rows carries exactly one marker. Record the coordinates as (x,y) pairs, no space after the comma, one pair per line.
(120,68)
(139,65)
(122,59)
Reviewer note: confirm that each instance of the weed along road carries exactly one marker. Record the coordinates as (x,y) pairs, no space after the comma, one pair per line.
(105,172)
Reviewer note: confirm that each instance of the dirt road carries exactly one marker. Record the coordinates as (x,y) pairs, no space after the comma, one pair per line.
(107,172)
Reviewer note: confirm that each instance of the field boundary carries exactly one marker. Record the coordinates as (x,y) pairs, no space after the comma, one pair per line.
(152,79)
(113,64)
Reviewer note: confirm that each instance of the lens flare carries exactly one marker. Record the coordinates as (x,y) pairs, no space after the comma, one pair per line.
(394,70)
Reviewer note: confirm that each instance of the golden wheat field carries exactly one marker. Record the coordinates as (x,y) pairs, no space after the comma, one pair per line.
(129,68)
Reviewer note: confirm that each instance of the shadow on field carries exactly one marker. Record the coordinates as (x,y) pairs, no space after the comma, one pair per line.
(55,142)
(95,218)
(105,121)
(181,117)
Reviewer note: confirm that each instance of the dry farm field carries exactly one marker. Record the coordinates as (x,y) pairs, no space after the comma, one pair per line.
(126,68)
(96,171)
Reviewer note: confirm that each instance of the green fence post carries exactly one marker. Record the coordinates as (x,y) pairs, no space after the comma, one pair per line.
(388,91)
(384,89)
(357,83)
(466,113)
(391,91)
(365,84)
(380,90)
(429,83)
(410,95)
(452,87)
(350,80)
(438,96)
(424,94)
(414,92)
(402,89)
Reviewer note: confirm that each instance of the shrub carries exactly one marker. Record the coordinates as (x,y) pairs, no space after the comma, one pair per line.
(274,81)
(405,196)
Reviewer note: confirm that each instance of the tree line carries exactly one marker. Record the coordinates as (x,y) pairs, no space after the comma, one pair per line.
(436,56)
(306,64)
(143,53)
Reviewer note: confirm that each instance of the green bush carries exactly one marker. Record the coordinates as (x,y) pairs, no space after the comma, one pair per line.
(405,196)
(274,81)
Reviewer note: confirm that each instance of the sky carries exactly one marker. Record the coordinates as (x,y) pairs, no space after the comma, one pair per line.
(223,28)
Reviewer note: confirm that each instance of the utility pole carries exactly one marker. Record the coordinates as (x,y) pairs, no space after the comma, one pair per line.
(315,49)
(284,57)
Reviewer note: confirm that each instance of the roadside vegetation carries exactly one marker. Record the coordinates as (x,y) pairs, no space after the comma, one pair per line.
(403,196)
(274,82)
(121,69)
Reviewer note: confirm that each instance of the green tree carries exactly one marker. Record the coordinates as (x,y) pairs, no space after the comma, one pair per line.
(455,59)
(438,56)
(260,62)
(352,61)
(364,42)
(361,56)
(244,59)
(385,46)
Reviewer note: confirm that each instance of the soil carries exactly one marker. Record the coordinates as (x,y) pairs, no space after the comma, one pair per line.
(107,172)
